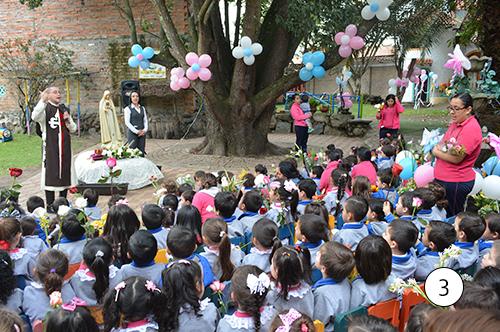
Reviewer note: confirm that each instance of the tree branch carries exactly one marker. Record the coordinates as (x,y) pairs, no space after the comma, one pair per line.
(236,39)
(205,10)
(226,21)
(128,15)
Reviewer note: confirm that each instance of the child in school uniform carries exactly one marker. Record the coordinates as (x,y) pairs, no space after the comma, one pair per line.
(289,289)
(186,198)
(425,211)
(334,157)
(265,242)
(439,209)
(33,205)
(492,258)
(375,218)
(404,210)
(249,288)
(401,237)
(10,295)
(220,253)
(311,232)
(364,166)
(142,250)
(68,319)
(373,263)
(189,217)
(153,217)
(386,183)
(315,175)
(225,205)
(33,243)
(469,227)
(307,189)
(261,175)
(284,201)
(437,237)
(92,211)
(332,292)
(336,197)
(385,160)
(250,204)
(73,239)
(96,273)
(353,230)
(183,290)
(491,233)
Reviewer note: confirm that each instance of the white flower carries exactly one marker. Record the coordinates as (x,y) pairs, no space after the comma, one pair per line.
(81,203)
(224,182)
(63,210)
(39,212)
(397,286)
(451,252)
(290,186)
(210,208)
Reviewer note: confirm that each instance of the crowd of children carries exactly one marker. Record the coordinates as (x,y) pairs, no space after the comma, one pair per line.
(274,256)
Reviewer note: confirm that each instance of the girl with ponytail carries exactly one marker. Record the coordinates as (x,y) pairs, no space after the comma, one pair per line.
(249,287)
(50,289)
(96,274)
(265,242)
(222,256)
(284,196)
(335,198)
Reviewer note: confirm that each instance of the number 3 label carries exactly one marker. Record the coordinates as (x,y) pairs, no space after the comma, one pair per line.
(444,287)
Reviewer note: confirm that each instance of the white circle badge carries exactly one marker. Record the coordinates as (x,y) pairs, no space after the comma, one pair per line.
(444,287)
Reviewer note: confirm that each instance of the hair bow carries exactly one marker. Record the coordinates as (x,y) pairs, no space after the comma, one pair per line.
(75,302)
(10,214)
(290,186)
(291,316)
(118,288)
(258,284)
(150,286)
(122,202)
(180,261)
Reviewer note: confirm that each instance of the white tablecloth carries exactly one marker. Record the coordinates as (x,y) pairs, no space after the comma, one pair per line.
(135,171)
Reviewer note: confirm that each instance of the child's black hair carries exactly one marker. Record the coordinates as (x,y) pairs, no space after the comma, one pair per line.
(248,180)
(72,225)
(334,155)
(183,188)
(208,181)
(92,197)
(337,260)
(181,242)
(199,175)
(259,168)
(489,277)
(188,195)
(407,200)
(132,303)
(34,202)
(142,247)
(318,208)
(215,232)
(477,296)
(386,177)
(308,186)
(225,203)
(358,206)
(388,150)
(266,232)
(442,235)
(289,170)
(181,280)
(364,154)
(341,179)
(253,200)
(189,216)
(304,98)
(331,146)
(317,170)
(493,222)
(78,320)
(7,279)
(169,217)
(170,201)
(98,256)
(427,197)
(28,225)
(313,228)
(439,193)
(9,229)
(290,198)
(373,258)
(51,267)
(404,233)
(418,316)
(11,321)
(152,216)
(472,225)
(361,187)
(59,201)
(291,268)
(113,199)
(366,323)
(377,206)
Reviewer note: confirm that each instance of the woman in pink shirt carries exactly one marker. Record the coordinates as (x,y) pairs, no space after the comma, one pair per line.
(203,200)
(299,123)
(364,166)
(388,117)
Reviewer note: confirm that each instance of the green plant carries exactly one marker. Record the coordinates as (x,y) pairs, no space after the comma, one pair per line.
(485,205)
(487,84)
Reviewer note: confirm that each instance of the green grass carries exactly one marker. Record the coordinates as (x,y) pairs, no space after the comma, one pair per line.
(26,151)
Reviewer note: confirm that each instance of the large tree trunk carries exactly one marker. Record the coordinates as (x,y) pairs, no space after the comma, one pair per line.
(490,37)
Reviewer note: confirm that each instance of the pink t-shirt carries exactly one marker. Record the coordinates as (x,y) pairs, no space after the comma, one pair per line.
(299,116)
(324,182)
(204,202)
(468,134)
(365,168)
(389,116)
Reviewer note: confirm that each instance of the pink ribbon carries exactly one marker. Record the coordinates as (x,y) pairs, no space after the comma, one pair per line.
(291,316)
(75,302)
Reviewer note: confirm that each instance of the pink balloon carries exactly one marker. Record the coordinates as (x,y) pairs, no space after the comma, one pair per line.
(399,82)
(184,83)
(205,74)
(348,104)
(191,58)
(351,30)
(174,86)
(338,37)
(345,51)
(424,174)
(357,43)
(139,57)
(191,74)
(177,71)
(205,60)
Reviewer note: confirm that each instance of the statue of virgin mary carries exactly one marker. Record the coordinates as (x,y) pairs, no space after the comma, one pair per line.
(111,136)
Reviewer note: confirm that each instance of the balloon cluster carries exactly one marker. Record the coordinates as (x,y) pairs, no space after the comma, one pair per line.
(342,80)
(198,66)
(348,41)
(140,57)
(247,50)
(312,66)
(178,80)
(345,100)
(458,62)
(377,8)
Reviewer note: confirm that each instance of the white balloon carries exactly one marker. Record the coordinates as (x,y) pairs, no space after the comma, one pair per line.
(392,91)
(256,48)
(384,3)
(344,40)
(491,187)
(392,83)
(367,14)
(309,66)
(383,15)
(246,42)
(404,154)
(249,60)
(238,52)
(478,184)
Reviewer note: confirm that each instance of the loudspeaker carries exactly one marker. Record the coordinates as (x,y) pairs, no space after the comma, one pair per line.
(127,87)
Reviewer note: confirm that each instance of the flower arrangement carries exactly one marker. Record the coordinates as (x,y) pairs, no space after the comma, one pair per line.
(186,179)
(113,173)
(451,252)
(123,152)
(309,159)
(399,285)
(230,183)
(485,205)
(452,147)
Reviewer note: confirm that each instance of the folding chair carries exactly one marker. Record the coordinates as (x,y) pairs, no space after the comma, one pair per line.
(97,314)
(342,321)
(161,256)
(72,268)
(319,326)
(387,310)
(409,300)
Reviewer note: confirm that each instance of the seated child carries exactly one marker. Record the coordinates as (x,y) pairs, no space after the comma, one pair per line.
(307,189)
(184,187)
(418,315)
(183,290)
(332,293)
(373,263)
(142,250)
(428,199)
(225,205)
(190,217)
(249,287)
(315,175)
(333,156)
(404,209)
(283,203)
(401,237)
(364,166)
(250,204)
(492,258)
(169,201)
(10,295)
(318,208)
(181,244)
(289,289)
(153,217)
(469,227)
(361,187)
(260,175)
(311,232)
(92,211)
(73,235)
(386,184)
(479,297)
(353,230)
(51,267)
(491,233)
(292,321)
(31,242)
(386,158)
(33,203)
(335,198)
(220,253)
(248,182)
(78,319)
(439,209)
(376,218)
(437,237)
(96,273)
(186,198)
(265,242)
(58,202)
(198,177)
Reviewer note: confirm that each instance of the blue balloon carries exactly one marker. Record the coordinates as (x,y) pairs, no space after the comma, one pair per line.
(136,49)
(374,7)
(307,57)
(144,64)
(318,72)
(247,52)
(196,67)
(318,58)
(338,80)
(148,52)
(409,166)
(305,74)
(492,166)
(133,61)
